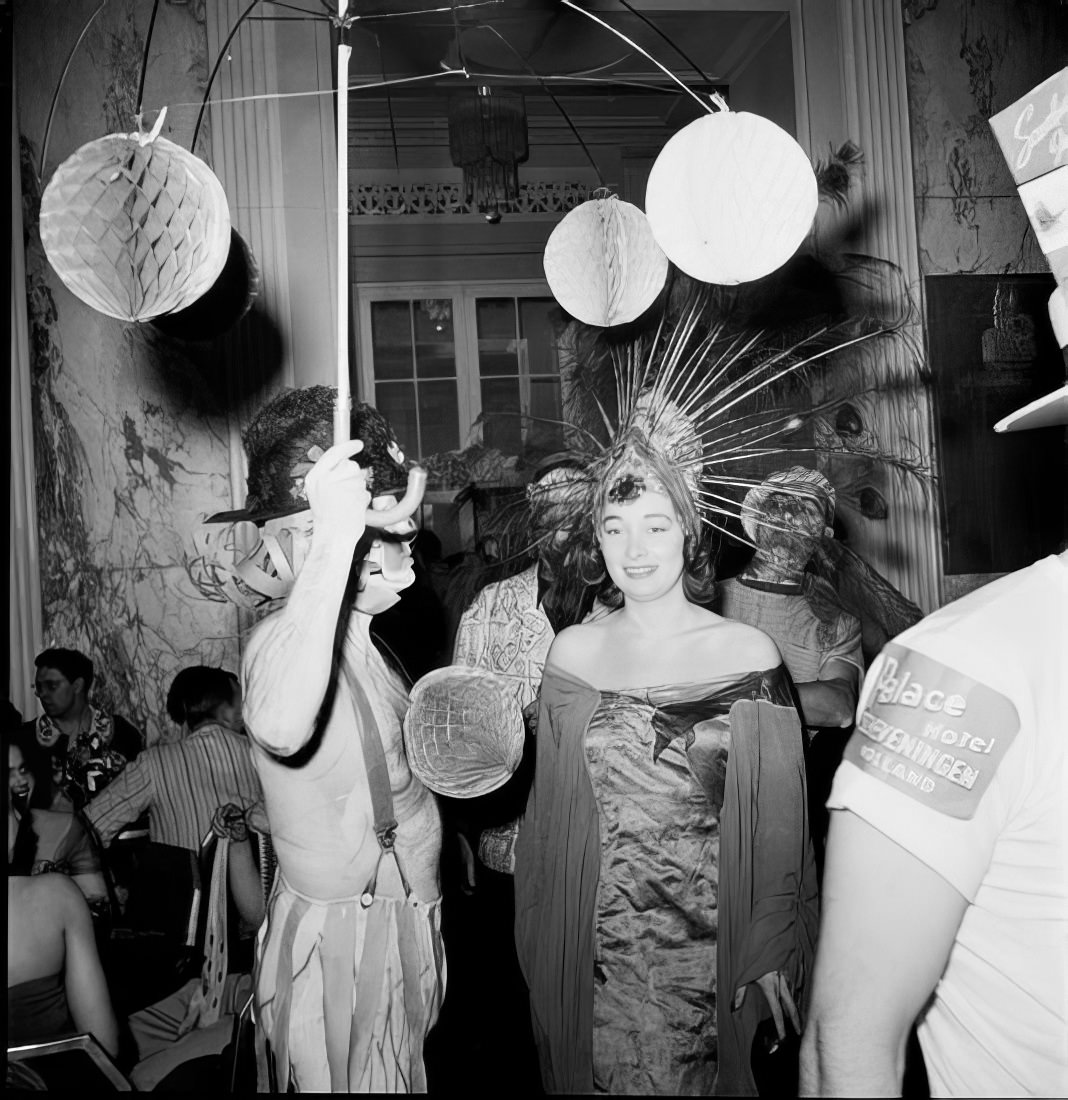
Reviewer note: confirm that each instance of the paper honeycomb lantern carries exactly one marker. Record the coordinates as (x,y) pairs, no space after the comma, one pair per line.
(464,731)
(603,264)
(731,197)
(135,228)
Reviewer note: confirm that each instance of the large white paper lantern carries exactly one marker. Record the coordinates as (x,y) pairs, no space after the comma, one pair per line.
(135,226)
(603,264)
(731,197)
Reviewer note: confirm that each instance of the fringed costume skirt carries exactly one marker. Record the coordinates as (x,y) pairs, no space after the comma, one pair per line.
(345,996)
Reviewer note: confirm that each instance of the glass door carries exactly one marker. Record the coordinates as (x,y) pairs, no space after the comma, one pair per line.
(413,354)
(516,371)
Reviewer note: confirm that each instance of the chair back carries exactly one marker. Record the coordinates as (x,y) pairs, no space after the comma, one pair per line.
(78,1062)
(153,948)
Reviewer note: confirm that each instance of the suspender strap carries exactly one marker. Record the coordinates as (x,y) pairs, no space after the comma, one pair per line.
(374,758)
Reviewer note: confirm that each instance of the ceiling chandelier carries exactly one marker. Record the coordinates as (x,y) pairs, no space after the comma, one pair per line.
(488,140)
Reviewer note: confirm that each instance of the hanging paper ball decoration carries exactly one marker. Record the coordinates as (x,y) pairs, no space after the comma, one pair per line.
(603,264)
(135,226)
(731,197)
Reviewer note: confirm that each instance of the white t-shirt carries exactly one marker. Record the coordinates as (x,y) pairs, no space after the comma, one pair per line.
(959,757)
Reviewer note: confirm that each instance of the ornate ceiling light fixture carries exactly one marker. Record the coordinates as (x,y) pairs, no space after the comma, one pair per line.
(488,140)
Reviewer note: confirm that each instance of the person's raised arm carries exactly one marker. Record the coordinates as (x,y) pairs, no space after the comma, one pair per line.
(83,975)
(888,925)
(287,664)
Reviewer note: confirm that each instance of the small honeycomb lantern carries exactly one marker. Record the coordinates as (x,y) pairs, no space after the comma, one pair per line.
(602,263)
(135,226)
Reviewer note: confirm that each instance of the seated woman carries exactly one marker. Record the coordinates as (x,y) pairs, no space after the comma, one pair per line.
(62,842)
(55,983)
(665,889)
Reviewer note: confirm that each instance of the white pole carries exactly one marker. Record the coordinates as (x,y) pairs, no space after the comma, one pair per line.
(344,397)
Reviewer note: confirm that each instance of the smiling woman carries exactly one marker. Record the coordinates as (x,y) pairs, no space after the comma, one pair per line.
(657,723)
(49,839)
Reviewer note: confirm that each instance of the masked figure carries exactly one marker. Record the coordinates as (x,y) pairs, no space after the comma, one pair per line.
(350,969)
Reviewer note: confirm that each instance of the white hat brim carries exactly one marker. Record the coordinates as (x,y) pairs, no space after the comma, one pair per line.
(1047,412)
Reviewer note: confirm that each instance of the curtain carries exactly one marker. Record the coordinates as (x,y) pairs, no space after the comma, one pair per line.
(24,585)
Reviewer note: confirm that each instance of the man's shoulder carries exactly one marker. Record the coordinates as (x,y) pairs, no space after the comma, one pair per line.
(124,725)
(28,730)
(509,589)
(211,733)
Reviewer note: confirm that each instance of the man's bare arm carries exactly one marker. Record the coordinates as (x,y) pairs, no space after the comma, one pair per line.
(286,667)
(827,702)
(832,699)
(887,928)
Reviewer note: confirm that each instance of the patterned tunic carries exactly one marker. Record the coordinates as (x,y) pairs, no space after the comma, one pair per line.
(505,630)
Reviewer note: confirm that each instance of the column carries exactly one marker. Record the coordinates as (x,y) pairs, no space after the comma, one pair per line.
(276,157)
(857,90)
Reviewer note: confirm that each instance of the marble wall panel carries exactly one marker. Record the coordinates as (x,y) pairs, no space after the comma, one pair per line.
(981,235)
(967,60)
(131,442)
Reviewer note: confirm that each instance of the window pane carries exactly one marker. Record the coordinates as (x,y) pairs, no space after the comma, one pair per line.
(537,325)
(391,339)
(495,320)
(544,435)
(502,427)
(435,344)
(396,402)
(438,417)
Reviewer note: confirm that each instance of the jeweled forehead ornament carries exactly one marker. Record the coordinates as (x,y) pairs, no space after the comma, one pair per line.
(664,431)
(630,479)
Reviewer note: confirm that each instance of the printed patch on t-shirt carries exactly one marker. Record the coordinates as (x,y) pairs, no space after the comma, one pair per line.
(931,732)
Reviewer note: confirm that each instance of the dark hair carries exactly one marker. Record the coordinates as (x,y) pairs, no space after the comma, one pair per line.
(24,851)
(197,692)
(12,717)
(70,662)
(39,763)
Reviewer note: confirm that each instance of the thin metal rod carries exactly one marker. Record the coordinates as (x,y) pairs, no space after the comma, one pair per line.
(674,45)
(59,88)
(437,74)
(544,87)
(424,11)
(663,68)
(215,70)
(144,62)
(389,105)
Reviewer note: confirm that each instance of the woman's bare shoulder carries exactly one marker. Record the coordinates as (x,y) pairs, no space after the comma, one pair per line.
(574,646)
(752,647)
(53,894)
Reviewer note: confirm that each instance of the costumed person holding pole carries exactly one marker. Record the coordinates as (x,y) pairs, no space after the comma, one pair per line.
(350,972)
